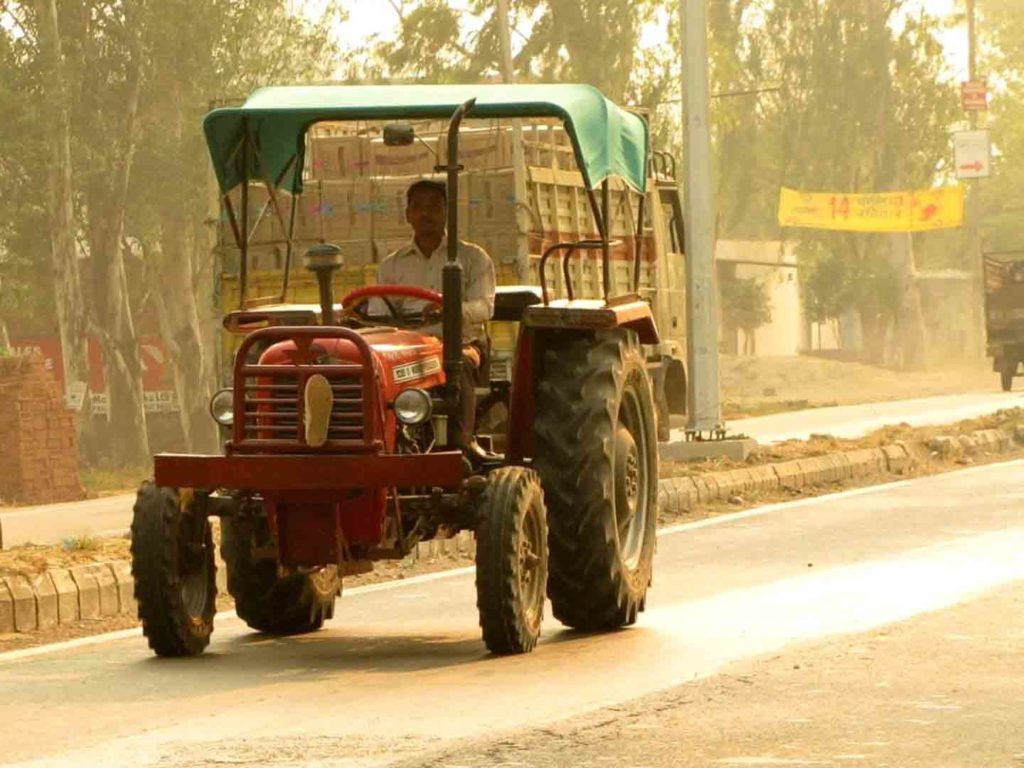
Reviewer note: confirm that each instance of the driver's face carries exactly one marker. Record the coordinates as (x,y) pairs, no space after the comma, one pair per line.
(426,213)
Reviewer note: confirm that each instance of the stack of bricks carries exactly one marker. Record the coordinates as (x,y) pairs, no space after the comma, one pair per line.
(39,451)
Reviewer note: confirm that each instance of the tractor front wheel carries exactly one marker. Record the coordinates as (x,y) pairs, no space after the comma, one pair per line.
(511,560)
(174,571)
(288,605)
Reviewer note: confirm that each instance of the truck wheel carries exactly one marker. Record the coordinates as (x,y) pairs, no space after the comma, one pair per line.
(1006,374)
(291,605)
(597,458)
(174,571)
(511,560)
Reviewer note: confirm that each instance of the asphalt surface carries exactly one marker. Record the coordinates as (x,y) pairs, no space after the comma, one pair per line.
(401,671)
(111,516)
(868,700)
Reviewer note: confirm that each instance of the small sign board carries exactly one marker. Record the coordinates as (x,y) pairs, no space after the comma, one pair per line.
(974,95)
(74,397)
(972,154)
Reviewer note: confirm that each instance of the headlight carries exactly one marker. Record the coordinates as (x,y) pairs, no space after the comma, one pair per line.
(413,406)
(222,407)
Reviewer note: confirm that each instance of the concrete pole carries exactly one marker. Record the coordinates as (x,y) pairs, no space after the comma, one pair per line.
(703,405)
(518,159)
(976,344)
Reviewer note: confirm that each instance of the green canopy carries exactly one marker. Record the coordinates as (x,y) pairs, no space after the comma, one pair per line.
(609,141)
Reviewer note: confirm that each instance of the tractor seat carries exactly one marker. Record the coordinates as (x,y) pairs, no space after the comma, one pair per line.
(511,300)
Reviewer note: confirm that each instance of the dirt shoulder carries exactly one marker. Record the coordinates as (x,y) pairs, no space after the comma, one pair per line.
(918,440)
(756,386)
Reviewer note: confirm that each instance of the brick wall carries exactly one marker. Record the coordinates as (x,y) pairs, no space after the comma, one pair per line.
(38,447)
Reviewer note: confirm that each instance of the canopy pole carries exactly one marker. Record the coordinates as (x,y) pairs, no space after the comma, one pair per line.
(598,218)
(637,256)
(244,245)
(288,250)
(606,270)
(271,191)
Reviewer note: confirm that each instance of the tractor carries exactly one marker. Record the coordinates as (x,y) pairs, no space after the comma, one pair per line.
(342,446)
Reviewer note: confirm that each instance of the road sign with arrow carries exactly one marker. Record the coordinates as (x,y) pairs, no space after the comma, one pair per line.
(972,152)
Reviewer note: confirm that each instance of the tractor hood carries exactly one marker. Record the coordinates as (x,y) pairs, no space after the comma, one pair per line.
(402,359)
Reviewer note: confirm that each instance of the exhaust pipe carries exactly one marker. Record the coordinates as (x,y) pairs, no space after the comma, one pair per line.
(323,260)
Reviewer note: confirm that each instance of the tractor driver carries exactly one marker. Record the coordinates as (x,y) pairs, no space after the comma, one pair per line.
(420,263)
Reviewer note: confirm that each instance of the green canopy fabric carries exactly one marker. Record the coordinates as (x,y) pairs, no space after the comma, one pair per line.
(609,141)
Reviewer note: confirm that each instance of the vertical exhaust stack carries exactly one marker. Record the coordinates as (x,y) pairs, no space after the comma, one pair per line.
(451,282)
(324,260)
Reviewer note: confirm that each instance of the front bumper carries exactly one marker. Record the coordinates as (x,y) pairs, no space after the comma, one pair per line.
(309,472)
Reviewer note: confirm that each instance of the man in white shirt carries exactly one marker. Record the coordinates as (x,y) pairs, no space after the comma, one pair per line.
(421,262)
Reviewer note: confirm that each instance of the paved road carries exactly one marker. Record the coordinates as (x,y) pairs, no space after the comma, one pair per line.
(401,670)
(852,421)
(871,700)
(52,523)
(112,515)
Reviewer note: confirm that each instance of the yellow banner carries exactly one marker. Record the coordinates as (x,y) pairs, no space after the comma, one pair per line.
(914,211)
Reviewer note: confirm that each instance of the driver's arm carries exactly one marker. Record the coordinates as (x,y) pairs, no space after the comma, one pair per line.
(478,305)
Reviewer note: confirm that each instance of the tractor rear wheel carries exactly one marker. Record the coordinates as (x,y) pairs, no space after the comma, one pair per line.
(174,571)
(511,560)
(596,454)
(289,605)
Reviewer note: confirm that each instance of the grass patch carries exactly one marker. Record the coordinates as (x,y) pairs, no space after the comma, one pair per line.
(107,482)
(81,543)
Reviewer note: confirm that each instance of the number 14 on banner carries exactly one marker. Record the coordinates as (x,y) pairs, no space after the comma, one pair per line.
(910,211)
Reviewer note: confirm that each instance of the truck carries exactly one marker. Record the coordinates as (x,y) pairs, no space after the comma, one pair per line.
(341,441)
(1004,314)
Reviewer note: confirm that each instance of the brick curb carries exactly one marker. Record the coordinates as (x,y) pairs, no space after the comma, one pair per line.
(100,590)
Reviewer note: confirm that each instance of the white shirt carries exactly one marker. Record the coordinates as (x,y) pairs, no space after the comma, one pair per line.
(410,266)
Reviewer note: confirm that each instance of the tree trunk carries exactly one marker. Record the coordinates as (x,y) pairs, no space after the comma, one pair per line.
(911,336)
(874,330)
(128,440)
(72,318)
(180,328)
(172,266)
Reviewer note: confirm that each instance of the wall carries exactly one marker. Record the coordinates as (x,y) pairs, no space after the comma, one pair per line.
(772,264)
(39,452)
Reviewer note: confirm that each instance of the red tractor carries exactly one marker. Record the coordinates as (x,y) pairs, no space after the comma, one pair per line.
(344,448)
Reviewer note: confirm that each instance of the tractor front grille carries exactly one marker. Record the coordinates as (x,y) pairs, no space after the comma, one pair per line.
(273,409)
(270,402)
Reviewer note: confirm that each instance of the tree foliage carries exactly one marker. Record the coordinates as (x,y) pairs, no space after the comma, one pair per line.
(595,42)
(1002,28)
(862,106)
(136,77)
(746,304)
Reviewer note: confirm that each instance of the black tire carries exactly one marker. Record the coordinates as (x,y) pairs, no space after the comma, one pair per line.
(597,458)
(174,572)
(511,560)
(1006,374)
(292,605)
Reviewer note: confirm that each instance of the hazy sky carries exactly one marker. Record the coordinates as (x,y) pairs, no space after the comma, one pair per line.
(377,17)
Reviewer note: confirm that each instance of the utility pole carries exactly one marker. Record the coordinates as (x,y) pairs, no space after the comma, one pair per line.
(518,160)
(703,405)
(976,345)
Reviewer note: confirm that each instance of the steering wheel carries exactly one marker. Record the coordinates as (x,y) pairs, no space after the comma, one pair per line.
(355,304)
